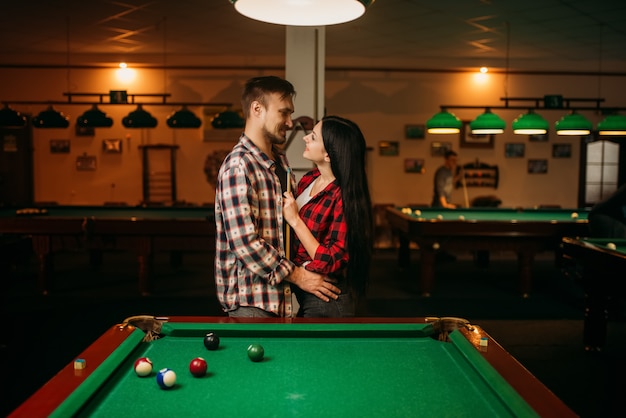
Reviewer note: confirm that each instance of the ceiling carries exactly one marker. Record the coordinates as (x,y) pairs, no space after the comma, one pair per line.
(529,35)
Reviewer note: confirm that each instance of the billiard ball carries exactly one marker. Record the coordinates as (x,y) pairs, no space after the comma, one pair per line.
(211,341)
(418,212)
(440,217)
(574,215)
(166,378)
(143,367)
(435,246)
(461,218)
(198,367)
(611,246)
(256,352)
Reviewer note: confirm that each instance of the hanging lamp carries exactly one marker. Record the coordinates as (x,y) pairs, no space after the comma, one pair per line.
(11,118)
(302,13)
(487,123)
(573,124)
(183,118)
(614,125)
(444,122)
(139,118)
(50,118)
(94,118)
(530,124)
(228,119)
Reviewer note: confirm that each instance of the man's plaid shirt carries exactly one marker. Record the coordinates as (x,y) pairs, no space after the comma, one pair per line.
(250,262)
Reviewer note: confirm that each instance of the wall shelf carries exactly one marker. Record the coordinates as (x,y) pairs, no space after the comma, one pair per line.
(478,174)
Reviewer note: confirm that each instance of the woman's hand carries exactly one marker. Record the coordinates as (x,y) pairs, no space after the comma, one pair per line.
(290,209)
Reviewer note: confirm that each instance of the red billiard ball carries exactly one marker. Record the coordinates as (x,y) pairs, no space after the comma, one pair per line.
(198,367)
(211,341)
(143,367)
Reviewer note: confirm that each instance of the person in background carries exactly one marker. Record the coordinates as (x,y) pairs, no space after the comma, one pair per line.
(252,274)
(607,219)
(332,216)
(445,178)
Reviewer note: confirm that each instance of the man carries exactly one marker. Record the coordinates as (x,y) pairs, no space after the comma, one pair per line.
(607,218)
(252,274)
(445,179)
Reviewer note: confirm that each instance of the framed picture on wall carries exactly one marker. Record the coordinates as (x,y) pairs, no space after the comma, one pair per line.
(388,148)
(112,146)
(84,131)
(60,146)
(538,166)
(469,140)
(86,162)
(414,165)
(514,150)
(414,132)
(438,149)
(561,150)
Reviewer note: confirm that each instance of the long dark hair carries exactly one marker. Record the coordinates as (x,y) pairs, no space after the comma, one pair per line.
(345,145)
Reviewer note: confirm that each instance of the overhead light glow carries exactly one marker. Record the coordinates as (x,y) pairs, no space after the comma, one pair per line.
(302,12)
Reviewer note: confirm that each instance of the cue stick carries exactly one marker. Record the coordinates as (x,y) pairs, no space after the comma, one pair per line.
(464,190)
(287,227)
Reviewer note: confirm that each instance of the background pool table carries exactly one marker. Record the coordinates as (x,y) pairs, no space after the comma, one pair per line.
(372,367)
(142,230)
(602,275)
(524,231)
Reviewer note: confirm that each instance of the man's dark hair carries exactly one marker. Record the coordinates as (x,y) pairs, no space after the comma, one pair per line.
(258,87)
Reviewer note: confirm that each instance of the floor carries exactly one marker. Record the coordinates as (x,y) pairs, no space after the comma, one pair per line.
(544,332)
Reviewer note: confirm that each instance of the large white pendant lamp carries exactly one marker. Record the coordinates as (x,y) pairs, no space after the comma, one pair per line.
(302,12)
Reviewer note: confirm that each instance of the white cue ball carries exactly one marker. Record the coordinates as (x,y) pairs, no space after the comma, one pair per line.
(461,218)
(440,217)
(436,246)
(574,215)
(611,246)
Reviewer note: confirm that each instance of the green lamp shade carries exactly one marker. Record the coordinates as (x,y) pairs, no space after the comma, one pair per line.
(94,118)
(183,118)
(530,124)
(228,119)
(50,118)
(11,118)
(487,123)
(573,124)
(444,122)
(139,118)
(613,125)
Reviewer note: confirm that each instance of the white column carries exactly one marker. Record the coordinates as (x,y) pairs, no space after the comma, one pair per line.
(304,68)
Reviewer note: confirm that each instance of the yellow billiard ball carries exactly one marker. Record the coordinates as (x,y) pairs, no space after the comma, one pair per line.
(440,217)
(611,246)
(574,215)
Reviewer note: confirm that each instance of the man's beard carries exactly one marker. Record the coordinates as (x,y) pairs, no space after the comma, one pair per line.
(273,138)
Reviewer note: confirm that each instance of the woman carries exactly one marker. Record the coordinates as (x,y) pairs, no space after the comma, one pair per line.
(332,216)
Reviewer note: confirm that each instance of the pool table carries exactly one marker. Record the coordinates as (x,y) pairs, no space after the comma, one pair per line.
(524,231)
(324,367)
(141,230)
(602,276)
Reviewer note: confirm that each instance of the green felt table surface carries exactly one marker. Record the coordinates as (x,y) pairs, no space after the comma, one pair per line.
(351,370)
(497,214)
(602,243)
(112,212)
